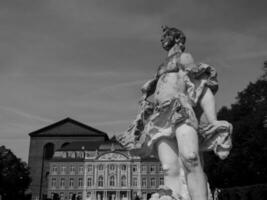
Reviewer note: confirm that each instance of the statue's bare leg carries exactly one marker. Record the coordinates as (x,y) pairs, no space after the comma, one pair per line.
(189,153)
(168,155)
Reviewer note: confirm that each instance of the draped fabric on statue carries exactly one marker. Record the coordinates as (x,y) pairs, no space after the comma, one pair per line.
(156,121)
(150,125)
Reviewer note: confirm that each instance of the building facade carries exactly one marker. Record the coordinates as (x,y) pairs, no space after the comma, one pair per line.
(44,142)
(102,171)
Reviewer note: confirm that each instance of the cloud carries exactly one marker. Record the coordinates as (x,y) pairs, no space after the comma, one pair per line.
(24,114)
(88,59)
(248,55)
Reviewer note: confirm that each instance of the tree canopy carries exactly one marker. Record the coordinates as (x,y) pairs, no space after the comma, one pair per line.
(14,175)
(246,164)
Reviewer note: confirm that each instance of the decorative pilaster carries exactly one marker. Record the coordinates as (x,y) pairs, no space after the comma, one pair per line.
(84,181)
(117,195)
(105,195)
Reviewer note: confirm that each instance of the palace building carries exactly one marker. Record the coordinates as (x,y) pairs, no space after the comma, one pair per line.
(102,171)
(70,158)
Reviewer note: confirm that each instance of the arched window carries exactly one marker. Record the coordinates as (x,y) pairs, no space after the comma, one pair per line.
(100,181)
(100,167)
(112,181)
(134,168)
(123,167)
(48,151)
(80,182)
(71,183)
(143,182)
(62,182)
(89,182)
(134,182)
(89,168)
(153,182)
(123,181)
(112,167)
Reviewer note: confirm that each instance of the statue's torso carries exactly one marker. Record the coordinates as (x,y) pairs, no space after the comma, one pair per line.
(170,80)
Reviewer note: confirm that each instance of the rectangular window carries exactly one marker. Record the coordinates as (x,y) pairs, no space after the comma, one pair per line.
(89,182)
(152,169)
(135,181)
(80,169)
(123,181)
(143,182)
(72,169)
(160,169)
(100,181)
(54,169)
(89,168)
(153,182)
(54,182)
(63,170)
(80,182)
(62,182)
(112,181)
(71,182)
(143,168)
(161,181)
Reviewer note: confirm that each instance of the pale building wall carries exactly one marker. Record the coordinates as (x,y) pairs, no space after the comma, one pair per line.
(130,168)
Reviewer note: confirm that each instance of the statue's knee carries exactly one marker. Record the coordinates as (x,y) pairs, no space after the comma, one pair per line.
(170,169)
(191,161)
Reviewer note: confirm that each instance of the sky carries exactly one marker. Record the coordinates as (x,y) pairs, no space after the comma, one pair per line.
(88,59)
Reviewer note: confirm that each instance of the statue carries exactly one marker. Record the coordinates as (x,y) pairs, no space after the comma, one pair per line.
(177,121)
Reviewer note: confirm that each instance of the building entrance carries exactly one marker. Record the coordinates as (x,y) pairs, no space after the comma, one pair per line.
(111,195)
(123,195)
(99,195)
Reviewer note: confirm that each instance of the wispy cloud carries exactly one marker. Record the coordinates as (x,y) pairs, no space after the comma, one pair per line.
(90,58)
(24,114)
(248,55)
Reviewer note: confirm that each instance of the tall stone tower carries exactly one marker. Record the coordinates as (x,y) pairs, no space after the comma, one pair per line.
(45,141)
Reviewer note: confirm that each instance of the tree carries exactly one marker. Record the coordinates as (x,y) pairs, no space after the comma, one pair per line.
(246,163)
(14,175)
(265,69)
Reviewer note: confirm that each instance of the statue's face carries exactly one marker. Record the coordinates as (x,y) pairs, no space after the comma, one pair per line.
(167,40)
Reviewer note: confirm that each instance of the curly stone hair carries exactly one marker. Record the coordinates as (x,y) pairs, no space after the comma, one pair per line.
(178,34)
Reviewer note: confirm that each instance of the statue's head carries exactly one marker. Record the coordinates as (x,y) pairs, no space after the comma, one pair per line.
(172,36)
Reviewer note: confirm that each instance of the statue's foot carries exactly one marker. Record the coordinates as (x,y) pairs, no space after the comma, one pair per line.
(164,193)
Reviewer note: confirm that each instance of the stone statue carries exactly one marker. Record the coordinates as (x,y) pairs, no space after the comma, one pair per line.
(177,121)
